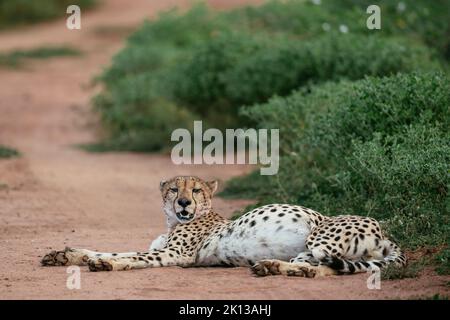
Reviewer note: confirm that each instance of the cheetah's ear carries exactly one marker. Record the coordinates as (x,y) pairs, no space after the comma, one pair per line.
(212,185)
(162,184)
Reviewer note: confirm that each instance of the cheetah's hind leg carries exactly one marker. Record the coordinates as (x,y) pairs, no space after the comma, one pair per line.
(298,269)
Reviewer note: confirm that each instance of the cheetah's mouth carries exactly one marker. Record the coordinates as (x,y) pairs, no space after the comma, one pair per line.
(184,216)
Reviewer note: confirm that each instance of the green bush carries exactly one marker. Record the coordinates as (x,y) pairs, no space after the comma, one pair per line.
(377,147)
(136,107)
(161,43)
(211,63)
(19,12)
(423,20)
(136,119)
(281,68)
(235,69)
(201,82)
(6,152)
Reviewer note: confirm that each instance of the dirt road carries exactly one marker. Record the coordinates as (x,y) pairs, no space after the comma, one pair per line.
(57,195)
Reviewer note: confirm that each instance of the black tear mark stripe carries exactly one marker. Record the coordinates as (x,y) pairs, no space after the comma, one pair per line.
(173,203)
(165,194)
(203,193)
(193,198)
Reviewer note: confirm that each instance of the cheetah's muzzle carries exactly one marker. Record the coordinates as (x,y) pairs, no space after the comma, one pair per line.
(184,216)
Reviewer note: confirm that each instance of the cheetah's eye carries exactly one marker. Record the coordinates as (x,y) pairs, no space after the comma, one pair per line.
(174,189)
(195,190)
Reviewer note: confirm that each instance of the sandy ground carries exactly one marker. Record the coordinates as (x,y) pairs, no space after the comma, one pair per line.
(57,195)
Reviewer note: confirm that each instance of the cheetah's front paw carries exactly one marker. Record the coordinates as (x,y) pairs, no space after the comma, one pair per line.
(55,258)
(66,257)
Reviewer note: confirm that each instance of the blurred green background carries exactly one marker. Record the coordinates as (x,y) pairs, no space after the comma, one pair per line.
(23,12)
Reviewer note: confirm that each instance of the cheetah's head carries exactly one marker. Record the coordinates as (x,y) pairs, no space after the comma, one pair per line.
(186,197)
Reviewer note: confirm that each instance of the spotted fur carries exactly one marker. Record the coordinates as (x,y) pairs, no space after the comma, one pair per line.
(264,238)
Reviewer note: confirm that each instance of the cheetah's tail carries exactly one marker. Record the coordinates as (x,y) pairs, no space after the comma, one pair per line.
(395,256)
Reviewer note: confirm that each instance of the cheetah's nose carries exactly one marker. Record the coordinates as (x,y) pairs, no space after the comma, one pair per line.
(184,202)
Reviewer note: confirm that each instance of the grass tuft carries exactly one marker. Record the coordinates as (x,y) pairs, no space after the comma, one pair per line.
(15,13)
(6,152)
(15,58)
(412,270)
(436,296)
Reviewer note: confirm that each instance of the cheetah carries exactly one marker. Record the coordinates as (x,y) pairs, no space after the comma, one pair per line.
(272,239)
